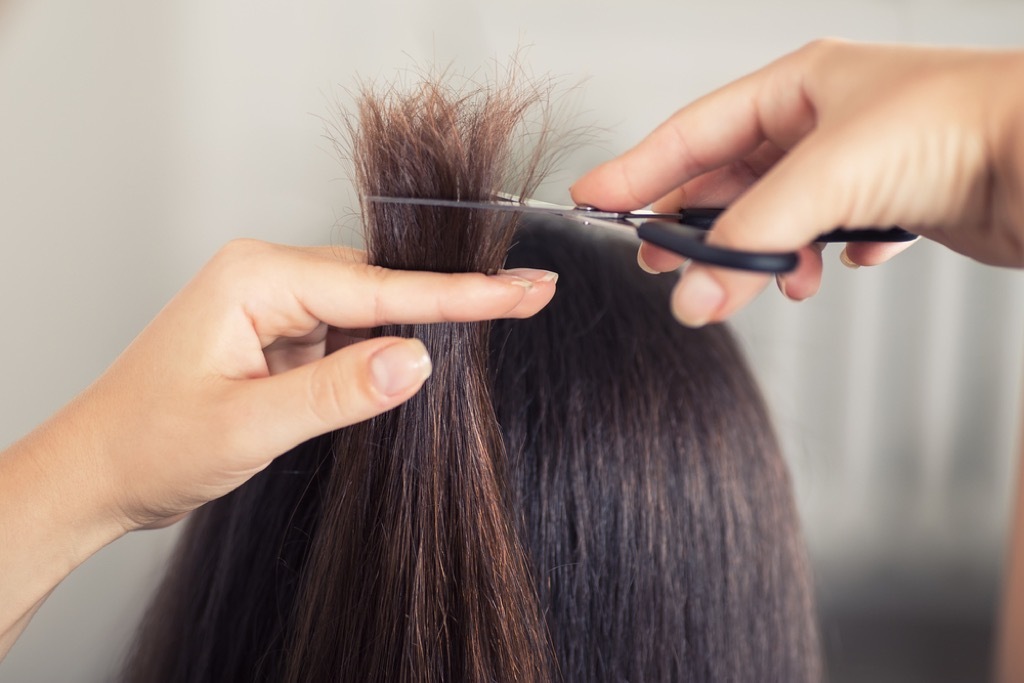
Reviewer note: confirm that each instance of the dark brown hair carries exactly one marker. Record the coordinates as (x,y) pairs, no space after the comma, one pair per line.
(435,582)
(591,495)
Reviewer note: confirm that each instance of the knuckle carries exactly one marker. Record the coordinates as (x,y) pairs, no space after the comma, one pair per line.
(815,55)
(348,254)
(383,291)
(467,297)
(334,398)
(819,46)
(326,399)
(239,253)
(243,248)
(450,300)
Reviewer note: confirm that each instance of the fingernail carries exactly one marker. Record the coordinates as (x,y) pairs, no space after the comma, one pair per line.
(698,297)
(844,258)
(514,280)
(782,285)
(643,264)
(399,367)
(530,275)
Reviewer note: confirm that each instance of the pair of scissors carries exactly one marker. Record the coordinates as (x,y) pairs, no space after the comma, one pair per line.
(681,233)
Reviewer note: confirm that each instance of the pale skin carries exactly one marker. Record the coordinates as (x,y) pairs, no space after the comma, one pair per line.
(258,353)
(834,134)
(237,368)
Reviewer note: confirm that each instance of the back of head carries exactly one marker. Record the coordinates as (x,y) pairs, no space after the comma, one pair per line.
(649,487)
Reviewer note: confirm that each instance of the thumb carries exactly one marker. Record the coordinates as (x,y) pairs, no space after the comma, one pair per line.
(348,386)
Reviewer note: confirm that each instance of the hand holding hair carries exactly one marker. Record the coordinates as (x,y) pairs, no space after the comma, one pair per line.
(834,134)
(237,369)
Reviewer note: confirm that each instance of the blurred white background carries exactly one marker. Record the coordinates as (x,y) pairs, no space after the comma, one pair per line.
(137,137)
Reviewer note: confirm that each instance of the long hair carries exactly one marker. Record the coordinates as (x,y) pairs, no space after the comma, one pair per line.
(591,495)
(650,489)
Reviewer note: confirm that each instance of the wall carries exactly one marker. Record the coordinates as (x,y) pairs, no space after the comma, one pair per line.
(135,138)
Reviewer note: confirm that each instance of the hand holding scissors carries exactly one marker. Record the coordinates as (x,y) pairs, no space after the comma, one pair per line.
(834,134)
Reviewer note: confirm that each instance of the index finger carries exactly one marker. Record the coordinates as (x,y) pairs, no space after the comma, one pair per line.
(288,292)
(768,105)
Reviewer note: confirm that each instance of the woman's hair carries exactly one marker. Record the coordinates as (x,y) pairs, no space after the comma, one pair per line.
(593,494)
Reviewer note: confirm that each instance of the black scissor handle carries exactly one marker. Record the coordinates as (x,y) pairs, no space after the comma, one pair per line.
(705,218)
(688,241)
(686,238)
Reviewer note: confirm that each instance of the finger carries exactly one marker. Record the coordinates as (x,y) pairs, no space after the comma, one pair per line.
(721,186)
(779,214)
(720,128)
(354,384)
(305,288)
(803,282)
(654,260)
(699,298)
(334,252)
(285,353)
(715,188)
(539,290)
(858,254)
(368,296)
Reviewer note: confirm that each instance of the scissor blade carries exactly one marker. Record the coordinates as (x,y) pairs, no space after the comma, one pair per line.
(486,205)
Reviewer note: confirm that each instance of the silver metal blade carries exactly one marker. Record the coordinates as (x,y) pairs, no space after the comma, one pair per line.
(504,202)
(486,205)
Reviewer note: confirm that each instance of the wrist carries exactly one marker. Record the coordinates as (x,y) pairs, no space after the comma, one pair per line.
(1006,146)
(1012,109)
(55,511)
